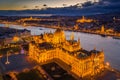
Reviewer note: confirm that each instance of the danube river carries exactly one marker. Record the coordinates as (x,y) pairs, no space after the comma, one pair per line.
(110,46)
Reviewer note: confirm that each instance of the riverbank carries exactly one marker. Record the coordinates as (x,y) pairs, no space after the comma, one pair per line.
(104,34)
(108,75)
(114,36)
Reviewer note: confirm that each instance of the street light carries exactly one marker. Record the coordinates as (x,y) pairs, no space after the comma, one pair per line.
(7,62)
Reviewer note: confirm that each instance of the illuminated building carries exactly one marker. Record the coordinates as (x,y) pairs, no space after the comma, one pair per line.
(115,19)
(7,25)
(24,24)
(76,27)
(84,20)
(28,19)
(49,46)
(16,39)
(102,29)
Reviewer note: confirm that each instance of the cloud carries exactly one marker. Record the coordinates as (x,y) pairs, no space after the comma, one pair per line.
(112,1)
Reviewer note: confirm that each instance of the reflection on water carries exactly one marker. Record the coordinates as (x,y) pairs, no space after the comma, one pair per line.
(110,46)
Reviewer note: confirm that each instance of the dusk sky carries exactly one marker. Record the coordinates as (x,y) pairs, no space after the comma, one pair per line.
(30,4)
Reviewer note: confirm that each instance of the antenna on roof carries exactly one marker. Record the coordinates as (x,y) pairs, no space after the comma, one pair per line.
(59,23)
(72,36)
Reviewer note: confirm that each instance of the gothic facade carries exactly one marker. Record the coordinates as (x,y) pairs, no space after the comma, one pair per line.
(50,46)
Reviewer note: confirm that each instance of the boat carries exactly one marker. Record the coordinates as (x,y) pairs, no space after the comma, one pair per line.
(103,35)
(40,29)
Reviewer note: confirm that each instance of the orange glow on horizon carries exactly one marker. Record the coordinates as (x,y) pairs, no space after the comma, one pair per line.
(31,4)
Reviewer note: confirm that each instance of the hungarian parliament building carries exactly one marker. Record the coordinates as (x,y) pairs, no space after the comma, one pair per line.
(55,47)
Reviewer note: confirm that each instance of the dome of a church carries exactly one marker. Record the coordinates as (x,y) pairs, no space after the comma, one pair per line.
(16,39)
(59,32)
(59,36)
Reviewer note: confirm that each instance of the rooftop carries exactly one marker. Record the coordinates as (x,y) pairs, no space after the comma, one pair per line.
(46,45)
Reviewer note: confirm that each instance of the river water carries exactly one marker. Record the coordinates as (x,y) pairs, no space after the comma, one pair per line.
(110,46)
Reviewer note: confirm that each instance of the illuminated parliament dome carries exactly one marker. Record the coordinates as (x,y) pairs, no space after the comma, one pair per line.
(59,36)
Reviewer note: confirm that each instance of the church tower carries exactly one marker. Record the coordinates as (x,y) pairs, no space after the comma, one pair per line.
(83,17)
(78,39)
(76,27)
(31,18)
(79,42)
(102,29)
(72,36)
(24,24)
(6,24)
